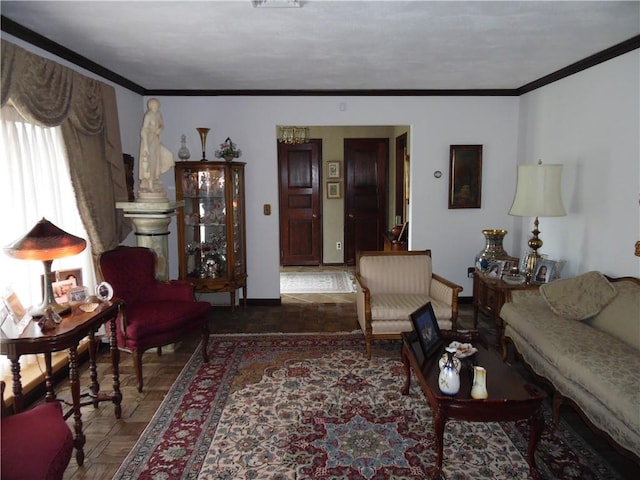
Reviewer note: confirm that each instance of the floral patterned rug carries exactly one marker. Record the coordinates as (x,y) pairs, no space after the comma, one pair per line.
(316,282)
(312,406)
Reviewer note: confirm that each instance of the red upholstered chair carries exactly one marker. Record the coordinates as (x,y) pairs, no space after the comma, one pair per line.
(156,313)
(36,444)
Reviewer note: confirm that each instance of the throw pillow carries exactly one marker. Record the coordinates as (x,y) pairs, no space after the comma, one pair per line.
(580,297)
(621,318)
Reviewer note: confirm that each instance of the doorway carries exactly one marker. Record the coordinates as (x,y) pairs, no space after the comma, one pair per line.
(300,203)
(366,164)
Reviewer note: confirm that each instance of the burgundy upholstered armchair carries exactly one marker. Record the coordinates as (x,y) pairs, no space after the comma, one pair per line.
(35,444)
(156,313)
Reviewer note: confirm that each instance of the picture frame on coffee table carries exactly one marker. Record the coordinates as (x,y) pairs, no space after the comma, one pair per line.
(426,327)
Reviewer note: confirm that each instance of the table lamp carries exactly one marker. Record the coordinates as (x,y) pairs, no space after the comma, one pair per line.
(538,194)
(46,242)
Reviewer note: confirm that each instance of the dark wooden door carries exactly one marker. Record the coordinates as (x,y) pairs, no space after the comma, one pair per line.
(366,162)
(401,173)
(300,207)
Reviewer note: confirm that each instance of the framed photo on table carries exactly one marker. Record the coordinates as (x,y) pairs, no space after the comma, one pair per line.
(544,271)
(73,274)
(426,327)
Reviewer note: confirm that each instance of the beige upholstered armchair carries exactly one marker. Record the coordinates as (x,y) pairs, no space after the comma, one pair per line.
(392,285)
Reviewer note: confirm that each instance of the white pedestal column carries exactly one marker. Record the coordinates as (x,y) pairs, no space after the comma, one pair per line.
(151,222)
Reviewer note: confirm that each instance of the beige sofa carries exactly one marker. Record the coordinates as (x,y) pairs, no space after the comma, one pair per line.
(392,285)
(583,336)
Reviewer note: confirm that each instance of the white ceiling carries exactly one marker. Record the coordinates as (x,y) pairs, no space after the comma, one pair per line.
(331,45)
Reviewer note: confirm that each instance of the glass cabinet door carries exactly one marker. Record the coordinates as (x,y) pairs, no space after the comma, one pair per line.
(237,195)
(205,223)
(211,226)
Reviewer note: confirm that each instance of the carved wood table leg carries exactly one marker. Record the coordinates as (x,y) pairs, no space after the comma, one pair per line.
(93,371)
(17,385)
(439,421)
(48,378)
(74,383)
(536,425)
(115,367)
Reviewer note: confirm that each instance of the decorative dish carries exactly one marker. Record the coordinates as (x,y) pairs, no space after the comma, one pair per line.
(88,307)
(463,349)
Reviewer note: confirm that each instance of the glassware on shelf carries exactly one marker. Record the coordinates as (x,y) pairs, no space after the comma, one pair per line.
(183,152)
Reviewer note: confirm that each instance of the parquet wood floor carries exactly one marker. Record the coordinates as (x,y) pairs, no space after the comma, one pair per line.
(110,440)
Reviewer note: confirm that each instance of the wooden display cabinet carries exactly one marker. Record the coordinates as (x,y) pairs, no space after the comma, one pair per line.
(211,226)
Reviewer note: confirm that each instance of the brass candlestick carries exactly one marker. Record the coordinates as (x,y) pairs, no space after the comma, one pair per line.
(203,139)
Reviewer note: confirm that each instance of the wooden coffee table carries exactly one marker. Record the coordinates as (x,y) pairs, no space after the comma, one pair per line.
(510,397)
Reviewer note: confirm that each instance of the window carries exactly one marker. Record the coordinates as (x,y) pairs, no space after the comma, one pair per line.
(35,183)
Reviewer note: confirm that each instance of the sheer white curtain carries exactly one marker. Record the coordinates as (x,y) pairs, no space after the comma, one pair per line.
(35,183)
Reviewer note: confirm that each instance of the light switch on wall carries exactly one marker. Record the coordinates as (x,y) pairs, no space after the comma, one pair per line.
(267,209)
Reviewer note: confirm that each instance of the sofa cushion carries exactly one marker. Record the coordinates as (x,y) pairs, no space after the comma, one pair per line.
(621,318)
(396,306)
(396,273)
(580,297)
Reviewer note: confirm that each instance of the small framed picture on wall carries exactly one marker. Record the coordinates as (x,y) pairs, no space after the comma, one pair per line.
(333,169)
(333,190)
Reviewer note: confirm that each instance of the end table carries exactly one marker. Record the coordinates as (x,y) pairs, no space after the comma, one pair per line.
(489,294)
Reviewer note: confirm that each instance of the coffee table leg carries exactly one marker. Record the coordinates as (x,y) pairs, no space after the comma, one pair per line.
(536,424)
(439,420)
(407,371)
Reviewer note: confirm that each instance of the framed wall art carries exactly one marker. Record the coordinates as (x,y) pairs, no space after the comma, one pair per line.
(465,176)
(333,169)
(333,190)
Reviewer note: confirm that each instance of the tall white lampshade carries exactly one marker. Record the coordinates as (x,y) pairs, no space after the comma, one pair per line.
(538,194)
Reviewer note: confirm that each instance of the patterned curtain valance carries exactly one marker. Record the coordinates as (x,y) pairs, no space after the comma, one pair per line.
(49,94)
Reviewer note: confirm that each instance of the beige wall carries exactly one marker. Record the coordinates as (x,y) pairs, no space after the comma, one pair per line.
(333,209)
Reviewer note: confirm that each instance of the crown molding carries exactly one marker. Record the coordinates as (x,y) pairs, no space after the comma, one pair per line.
(9,26)
(341,93)
(12,28)
(620,49)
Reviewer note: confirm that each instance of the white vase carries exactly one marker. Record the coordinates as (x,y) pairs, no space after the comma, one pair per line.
(449,378)
(479,387)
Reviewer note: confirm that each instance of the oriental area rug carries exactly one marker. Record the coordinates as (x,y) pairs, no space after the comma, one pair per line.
(316,282)
(313,407)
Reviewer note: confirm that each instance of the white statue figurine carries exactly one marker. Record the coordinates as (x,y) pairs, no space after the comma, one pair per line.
(155,158)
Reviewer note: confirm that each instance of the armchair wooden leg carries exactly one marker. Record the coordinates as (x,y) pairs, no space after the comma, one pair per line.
(369,341)
(137,366)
